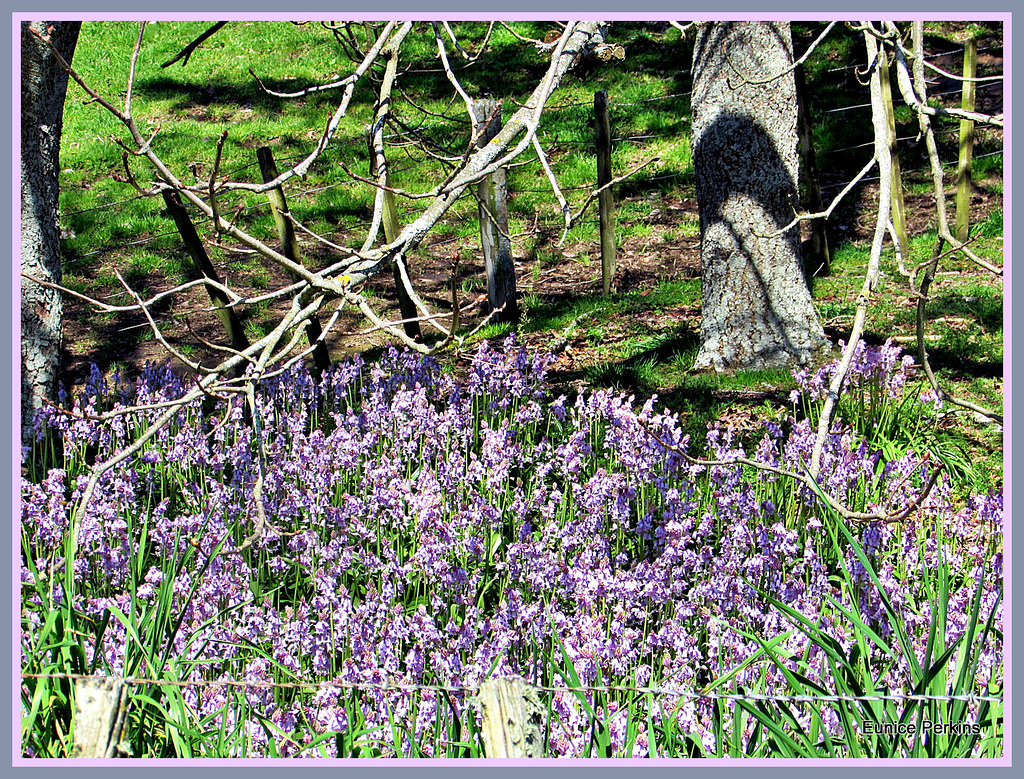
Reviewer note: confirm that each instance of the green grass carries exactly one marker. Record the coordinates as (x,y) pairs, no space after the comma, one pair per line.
(649,96)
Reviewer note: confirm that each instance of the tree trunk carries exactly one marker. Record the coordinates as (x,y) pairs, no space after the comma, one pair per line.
(757,309)
(43,87)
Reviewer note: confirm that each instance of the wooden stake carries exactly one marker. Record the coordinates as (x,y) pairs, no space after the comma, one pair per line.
(964,185)
(899,212)
(512,719)
(390,219)
(493,195)
(100,715)
(605,200)
(290,249)
(194,244)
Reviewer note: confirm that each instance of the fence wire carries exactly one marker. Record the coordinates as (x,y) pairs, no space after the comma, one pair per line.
(471,689)
(585,104)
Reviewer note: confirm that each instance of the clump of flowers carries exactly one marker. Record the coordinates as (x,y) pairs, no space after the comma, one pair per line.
(433,532)
(885,368)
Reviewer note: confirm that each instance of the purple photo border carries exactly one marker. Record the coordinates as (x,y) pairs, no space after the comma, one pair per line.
(14,447)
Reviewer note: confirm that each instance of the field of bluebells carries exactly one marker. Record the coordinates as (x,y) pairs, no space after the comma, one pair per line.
(431,531)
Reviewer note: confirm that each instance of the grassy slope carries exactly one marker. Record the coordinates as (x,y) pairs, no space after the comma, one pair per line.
(643,340)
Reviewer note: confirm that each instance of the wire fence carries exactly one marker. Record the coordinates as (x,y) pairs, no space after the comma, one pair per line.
(588,105)
(474,689)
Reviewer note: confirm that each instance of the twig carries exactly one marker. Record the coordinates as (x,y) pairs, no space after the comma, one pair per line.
(963,79)
(832,206)
(810,49)
(131,71)
(807,480)
(554,188)
(106,307)
(185,53)
(594,194)
(213,183)
(158,334)
(871,276)
(450,75)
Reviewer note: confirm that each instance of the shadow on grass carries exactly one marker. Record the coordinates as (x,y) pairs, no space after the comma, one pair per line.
(188,94)
(965,360)
(984,310)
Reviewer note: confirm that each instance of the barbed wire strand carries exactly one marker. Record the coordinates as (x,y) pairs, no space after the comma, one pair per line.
(402,687)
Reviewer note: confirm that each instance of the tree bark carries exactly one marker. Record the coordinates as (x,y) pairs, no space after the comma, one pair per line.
(757,309)
(43,88)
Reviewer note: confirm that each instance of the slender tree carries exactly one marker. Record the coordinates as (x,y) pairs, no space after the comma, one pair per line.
(43,88)
(757,309)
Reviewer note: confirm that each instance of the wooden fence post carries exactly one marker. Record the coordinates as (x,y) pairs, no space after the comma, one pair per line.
(963,171)
(290,249)
(100,716)
(605,200)
(390,219)
(899,213)
(512,718)
(494,240)
(194,244)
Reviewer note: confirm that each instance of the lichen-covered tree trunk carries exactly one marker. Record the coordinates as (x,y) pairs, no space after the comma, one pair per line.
(43,88)
(757,309)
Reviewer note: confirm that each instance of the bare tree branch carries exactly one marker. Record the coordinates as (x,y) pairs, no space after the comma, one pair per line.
(810,50)
(944,233)
(961,79)
(185,53)
(871,277)
(808,481)
(832,206)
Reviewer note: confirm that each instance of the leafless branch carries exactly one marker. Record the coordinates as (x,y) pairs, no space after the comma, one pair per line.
(542,158)
(871,277)
(683,28)
(157,333)
(810,50)
(539,44)
(454,40)
(918,102)
(938,186)
(185,53)
(106,307)
(832,206)
(212,185)
(390,54)
(131,71)
(450,75)
(808,481)
(945,74)
(618,179)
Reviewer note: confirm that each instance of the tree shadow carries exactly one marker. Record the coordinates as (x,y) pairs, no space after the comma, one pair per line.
(186,94)
(748,194)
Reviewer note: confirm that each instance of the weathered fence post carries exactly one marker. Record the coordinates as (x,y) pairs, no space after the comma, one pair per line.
(390,219)
(963,171)
(194,244)
(100,715)
(494,240)
(512,718)
(605,199)
(899,213)
(290,249)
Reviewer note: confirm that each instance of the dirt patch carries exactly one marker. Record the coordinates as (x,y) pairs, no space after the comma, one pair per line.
(667,251)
